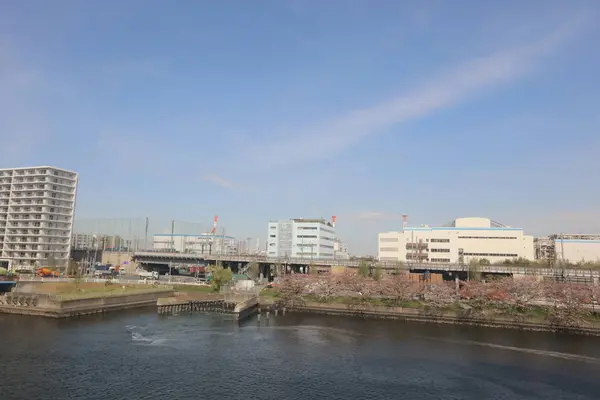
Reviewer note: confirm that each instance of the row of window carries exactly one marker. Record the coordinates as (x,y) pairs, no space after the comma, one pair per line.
(388,249)
(490,254)
(439,250)
(441,260)
(439,240)
(487,237)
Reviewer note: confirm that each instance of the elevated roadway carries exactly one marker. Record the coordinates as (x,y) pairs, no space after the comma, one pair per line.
(147,258)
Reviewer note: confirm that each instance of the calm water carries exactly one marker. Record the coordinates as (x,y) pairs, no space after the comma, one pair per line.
(140,355)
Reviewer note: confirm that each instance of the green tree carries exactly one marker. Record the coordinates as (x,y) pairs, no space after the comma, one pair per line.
(220,276)
(3,271)
(474,272)
(363,269)
(378,273)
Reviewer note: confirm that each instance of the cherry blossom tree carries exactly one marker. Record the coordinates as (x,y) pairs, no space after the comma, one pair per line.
(568,305)
(326,287)
(292,289)
(401,288)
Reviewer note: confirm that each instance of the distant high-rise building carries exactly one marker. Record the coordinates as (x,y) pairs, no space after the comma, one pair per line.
(86,241)
(37,206)
(311,239)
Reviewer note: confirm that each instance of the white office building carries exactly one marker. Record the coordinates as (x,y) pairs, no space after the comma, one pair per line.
(37,207)
(461,241)
(204,243)
(309,239)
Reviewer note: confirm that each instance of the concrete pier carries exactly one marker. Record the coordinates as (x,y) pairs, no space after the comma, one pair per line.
(239,311)
(47,305)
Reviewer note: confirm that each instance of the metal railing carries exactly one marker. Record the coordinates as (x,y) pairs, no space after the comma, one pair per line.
(236,293)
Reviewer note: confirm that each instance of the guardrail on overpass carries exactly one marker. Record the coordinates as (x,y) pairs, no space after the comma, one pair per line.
(494,269)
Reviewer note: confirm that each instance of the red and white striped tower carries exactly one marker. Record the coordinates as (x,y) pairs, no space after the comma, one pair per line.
(404,219)
(215,220)
(333,220)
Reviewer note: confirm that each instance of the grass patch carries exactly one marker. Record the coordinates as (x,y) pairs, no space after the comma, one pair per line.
(73,291)
(194,288)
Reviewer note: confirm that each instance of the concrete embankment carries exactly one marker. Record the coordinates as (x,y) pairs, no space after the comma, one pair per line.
(441,317)
(48,305)
(182,303)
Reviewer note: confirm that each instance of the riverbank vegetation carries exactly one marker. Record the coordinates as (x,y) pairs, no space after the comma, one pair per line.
(561,305)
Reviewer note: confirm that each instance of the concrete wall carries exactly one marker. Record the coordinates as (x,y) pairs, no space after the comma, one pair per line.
(48,306)
(575,251)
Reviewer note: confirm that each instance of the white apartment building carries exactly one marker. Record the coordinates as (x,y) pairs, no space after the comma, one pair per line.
(310,239)
(461,241)
(86,241)
(37,206)
(204,243)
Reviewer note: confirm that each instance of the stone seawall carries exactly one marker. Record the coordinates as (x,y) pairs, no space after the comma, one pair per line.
(443,317)
(49,306)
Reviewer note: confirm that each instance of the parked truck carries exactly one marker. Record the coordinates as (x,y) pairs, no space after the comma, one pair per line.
(46,273)
(148,274)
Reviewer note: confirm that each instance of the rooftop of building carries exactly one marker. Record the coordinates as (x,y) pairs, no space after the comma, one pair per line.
(308,221)
(574,236)
(195,235)
(467,223)
(38,167)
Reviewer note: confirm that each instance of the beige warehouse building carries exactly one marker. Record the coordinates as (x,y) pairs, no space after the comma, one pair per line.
(461,241)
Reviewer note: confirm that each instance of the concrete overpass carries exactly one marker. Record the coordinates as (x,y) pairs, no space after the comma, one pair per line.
(240,263)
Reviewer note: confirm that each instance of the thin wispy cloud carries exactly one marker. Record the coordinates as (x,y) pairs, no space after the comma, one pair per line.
(219,181)
(445,90)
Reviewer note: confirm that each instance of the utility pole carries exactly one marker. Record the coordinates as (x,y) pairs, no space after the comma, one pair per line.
(173,248)
(146,235)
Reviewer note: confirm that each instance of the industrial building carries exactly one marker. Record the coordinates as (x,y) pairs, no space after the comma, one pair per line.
(204,243)
(340,250)
(460,241)
(568,249)
(308,238)
(37,206)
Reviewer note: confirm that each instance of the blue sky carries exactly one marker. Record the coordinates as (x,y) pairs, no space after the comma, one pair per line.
(265,110)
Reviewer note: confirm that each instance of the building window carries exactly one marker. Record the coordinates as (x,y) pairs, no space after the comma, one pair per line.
(487,237)
(440,240)
(508,255)
(439,250)
(388,249)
